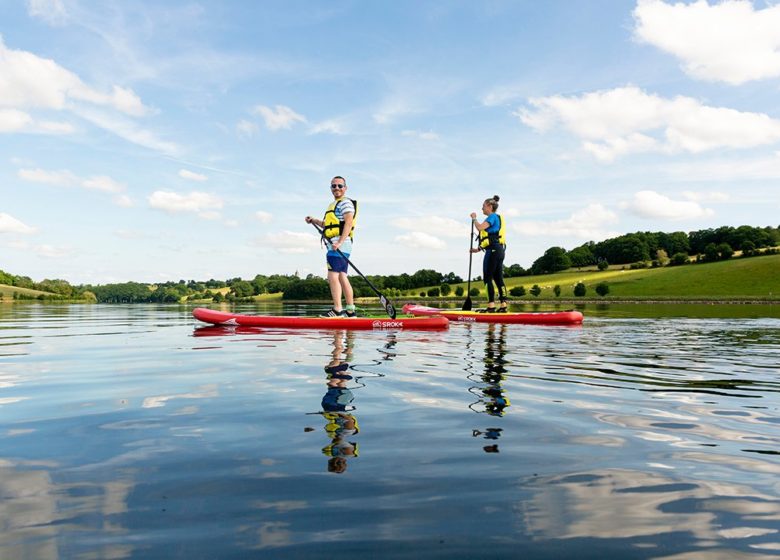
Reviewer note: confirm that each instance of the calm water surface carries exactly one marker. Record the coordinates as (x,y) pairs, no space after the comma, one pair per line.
(133,432)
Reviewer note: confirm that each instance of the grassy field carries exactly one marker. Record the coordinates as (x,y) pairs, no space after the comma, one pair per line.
(751,278)
(7,292)
(756,278)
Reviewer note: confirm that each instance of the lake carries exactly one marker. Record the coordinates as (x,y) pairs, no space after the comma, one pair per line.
(134,432)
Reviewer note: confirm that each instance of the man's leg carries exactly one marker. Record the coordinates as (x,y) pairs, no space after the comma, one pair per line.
(335,289)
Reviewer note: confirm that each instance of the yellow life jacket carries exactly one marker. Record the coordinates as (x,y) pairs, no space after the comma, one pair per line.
(332,226)
(487,239)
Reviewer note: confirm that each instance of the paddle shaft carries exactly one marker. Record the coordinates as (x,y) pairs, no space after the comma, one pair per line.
(382,299)
(467,304)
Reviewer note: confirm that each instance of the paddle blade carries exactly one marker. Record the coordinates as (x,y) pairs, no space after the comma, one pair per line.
(388,306)
(467,304)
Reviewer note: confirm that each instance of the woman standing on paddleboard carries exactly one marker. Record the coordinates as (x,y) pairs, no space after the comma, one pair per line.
(492,240)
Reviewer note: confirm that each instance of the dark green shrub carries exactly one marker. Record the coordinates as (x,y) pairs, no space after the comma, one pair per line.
(517,291)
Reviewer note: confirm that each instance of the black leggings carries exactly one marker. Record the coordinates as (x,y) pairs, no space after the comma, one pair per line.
(493,271)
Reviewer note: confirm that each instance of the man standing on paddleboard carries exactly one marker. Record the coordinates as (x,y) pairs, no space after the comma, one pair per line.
(338,226)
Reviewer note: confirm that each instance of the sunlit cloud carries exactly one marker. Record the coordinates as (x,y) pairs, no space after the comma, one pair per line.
(589,223)
(289,242)
(192,176)
(246,129)
(652,205)
(729,41)
(123,201)
(434,226)
(263,217)
(280,117)
(627,120)
(52,12)
(420,240)
(331,126)
(203,204)
(708,196)
(503,95)
(103,183)
(429,135)
(66,178)
(128,130)
(27,80)
(9,224)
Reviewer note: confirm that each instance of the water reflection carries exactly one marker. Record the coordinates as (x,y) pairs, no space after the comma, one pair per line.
(640,507)
(491,395)
(337,406)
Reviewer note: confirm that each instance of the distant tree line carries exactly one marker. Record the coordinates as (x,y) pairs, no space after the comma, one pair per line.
(635,249)
(660,248)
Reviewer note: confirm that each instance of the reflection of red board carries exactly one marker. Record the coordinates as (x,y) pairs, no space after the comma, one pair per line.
(540,318)
(222,318)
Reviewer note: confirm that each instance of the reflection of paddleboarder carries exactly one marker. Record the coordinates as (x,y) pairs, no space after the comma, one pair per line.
(337,405)
(491,393)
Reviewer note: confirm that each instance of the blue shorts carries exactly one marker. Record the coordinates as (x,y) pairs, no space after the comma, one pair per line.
(337,263)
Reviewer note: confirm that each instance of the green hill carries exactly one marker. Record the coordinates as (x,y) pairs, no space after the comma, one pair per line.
(7,292)
(735,279)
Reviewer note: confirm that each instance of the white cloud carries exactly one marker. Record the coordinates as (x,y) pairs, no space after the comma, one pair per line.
(123,200)
(435,225)
(279,117)
(709,196)
(502,95)
(246,128)
(331,126)
(589,223)
(65,178)
(627,120)
(127,130)
(13,120)
(51,11)
(52,252)
(420,240)
(652,205)
(27,80)
(429,135)
(289,242)
(61,178)
(103,183)
(192,176)
(9,224)
(729,41)
(203,204)
(263,216)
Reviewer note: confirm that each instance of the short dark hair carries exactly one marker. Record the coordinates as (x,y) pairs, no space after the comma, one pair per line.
(340,177)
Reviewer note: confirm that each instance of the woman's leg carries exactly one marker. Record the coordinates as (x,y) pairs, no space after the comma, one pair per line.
(498,276)
(487,277)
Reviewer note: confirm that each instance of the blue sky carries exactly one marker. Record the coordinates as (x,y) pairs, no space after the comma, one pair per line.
(155,141)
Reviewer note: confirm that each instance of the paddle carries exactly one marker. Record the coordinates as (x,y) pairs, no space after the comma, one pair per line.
(467,304)
(382,299)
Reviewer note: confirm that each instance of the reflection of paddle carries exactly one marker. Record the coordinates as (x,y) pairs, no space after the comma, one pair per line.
(467,303)
(382,299)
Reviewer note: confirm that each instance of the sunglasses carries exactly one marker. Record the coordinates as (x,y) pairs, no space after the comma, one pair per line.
(337,186)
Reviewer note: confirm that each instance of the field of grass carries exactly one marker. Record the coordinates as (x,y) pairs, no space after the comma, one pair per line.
(7,292)
(748,279)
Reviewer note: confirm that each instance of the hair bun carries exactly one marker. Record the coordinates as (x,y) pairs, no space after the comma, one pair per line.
(495,197)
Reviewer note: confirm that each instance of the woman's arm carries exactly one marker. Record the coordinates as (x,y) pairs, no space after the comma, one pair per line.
(480,227)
